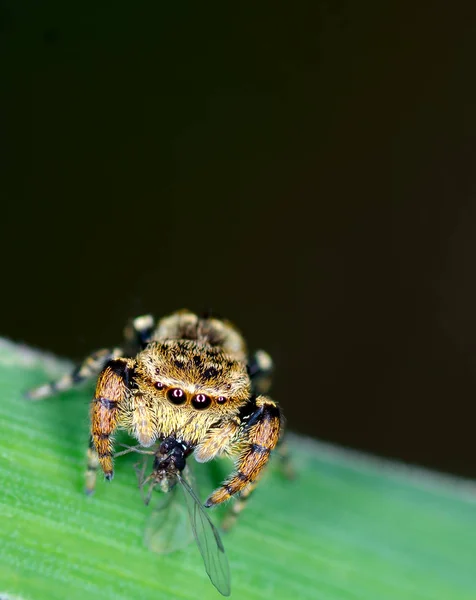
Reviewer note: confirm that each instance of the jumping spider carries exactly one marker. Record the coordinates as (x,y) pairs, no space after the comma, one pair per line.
(187,378)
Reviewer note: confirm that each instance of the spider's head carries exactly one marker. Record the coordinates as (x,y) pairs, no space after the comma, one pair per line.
(197,375)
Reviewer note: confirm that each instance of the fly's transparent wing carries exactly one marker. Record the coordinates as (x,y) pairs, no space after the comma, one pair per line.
(208,541)
(168,528)
(176,518)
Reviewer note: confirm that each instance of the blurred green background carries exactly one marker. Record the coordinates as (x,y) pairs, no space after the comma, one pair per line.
(304,169)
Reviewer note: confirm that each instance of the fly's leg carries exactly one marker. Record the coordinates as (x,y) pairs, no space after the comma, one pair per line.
(88,369)
(93,464)
(261,425)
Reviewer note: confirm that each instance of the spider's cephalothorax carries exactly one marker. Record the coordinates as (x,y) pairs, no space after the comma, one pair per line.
(190,379)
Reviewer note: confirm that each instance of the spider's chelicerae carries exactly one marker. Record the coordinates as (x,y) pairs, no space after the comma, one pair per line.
(187,378)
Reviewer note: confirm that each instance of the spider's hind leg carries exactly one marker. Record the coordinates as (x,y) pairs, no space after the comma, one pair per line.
(138,333)
(91,469)
(260,370)
(237,506)
(88,369)
(240,502)
(284,457)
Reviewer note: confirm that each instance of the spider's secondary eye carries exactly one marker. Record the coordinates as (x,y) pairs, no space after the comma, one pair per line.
(201,401)
(176,395)
(221,399)
(159,385)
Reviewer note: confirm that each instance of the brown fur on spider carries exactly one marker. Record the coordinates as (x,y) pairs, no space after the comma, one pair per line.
(189,378)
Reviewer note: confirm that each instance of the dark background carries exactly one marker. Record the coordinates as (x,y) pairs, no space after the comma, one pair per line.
(306,170)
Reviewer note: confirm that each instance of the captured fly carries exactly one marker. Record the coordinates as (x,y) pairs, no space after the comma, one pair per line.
(168,528)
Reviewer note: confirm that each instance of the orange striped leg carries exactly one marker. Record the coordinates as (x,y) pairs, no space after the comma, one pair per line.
(261,429)
(111,392)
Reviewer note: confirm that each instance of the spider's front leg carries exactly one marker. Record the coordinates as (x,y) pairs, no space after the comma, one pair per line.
(259,434)
(112,391)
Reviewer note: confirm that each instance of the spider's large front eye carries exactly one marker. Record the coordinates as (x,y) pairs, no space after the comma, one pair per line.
(201,401)
(176,395)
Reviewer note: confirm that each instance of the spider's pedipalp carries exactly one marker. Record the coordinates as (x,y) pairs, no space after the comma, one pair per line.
(260,434)
(216,442)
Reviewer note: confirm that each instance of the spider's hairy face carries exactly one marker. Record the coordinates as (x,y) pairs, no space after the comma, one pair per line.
(197,377)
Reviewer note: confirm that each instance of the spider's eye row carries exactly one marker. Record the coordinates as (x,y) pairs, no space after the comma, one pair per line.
(201,401)
(176,395)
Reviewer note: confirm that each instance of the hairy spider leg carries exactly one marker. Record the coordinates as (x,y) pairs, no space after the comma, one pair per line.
(138,332)
(260,370)
(91,366)
(111,394)
(261,431)
(285,464)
